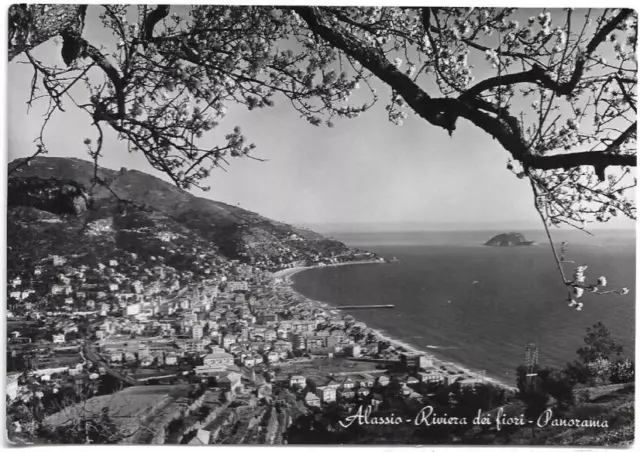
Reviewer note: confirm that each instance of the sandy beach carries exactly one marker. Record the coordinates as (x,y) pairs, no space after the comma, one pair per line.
(287,273)
(286,276)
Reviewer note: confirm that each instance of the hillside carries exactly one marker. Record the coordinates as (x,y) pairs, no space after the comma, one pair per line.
(131,203)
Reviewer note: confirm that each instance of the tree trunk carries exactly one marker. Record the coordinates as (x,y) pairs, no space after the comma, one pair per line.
(31,25)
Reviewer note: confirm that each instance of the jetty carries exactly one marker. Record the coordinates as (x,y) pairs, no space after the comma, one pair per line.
(367,306)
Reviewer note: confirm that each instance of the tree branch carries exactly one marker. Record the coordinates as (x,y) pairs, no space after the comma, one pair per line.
(433,110)
(538,75)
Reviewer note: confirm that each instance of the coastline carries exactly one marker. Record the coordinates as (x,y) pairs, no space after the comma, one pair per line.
(287,274)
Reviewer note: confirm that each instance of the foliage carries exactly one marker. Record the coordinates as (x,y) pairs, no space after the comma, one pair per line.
(544,85)
(600,371)
(622,371)
(598,344)
(98,430)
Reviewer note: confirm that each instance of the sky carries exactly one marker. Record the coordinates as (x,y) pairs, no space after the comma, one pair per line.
(366,171)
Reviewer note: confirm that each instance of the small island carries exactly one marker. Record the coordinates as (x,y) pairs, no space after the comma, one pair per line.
(509,239)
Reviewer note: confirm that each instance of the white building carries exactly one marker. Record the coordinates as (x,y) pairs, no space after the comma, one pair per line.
(133,309)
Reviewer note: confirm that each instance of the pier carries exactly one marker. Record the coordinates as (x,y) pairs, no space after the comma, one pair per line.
(368,306)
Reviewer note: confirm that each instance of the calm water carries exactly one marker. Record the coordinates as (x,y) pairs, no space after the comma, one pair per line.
(518,299)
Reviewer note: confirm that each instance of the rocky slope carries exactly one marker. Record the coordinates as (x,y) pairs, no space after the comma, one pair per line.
(140,212)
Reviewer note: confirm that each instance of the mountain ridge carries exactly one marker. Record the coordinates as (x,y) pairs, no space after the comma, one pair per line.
(58,184)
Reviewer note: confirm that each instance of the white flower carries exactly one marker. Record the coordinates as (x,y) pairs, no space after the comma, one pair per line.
(93,376)
(573,124)
(573,303)
(397,62)
(624,291)
(39,394)
(579,307)
(55,390)
(579,291)
(602,281)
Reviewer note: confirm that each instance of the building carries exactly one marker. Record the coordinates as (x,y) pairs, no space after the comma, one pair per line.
(353,350)
(227,340)
(218,357)
(197,332)
(413,361)
(311,399)
(12,385)
(171,359)
(132,309)
(233,286)
(297,382)
(433,376)
(267,318)
(58,339)
(327,394)
(57,289)
(230,382)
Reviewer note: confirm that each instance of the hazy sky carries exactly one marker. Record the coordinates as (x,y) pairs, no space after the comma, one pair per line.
(363,170)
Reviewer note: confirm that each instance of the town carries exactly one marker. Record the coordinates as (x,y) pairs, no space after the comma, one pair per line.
(234,330)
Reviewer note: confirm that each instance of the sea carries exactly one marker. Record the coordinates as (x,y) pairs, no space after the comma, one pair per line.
(481,306)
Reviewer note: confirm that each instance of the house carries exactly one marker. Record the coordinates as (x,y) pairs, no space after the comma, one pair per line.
(326,393)
(147,361)
(367,381)
(227,340)
(363,392)
(218,357)
(233,286)
(58,339)
(230,381)
(171,359)
(132,309)
(311,399)
(137,286)
(57,289)
(298,382)
(347,384)
(353,351)
(249,361)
